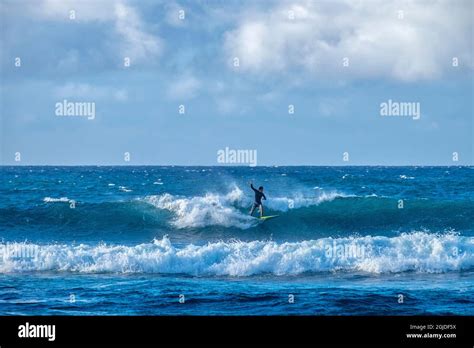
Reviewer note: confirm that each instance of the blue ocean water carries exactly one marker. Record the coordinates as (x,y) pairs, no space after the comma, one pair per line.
(130,240)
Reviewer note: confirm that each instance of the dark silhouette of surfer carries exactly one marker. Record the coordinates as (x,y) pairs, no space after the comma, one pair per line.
(258,199)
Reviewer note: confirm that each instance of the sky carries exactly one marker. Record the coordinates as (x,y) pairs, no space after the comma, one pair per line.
(237,68)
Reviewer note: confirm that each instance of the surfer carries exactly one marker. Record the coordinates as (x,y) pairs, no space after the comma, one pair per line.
(258,199)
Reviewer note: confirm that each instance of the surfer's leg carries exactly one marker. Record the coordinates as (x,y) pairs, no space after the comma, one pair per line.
(252,209)
(261,210)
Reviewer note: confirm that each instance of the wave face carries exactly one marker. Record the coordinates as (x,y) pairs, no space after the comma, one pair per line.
(228,209)
(201,211)
(323,211)
(302,217)
(231,210)
(412,252)
(195,205)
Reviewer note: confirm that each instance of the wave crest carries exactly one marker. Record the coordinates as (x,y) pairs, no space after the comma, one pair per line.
(227,209)
(201,211)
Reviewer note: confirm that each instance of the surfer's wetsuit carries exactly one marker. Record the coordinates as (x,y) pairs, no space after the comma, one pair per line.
(258,196)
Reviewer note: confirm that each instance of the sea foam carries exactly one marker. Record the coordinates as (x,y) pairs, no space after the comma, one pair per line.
(417,251)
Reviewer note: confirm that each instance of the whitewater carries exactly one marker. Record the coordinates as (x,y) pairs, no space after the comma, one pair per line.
(227,209)
(417,252)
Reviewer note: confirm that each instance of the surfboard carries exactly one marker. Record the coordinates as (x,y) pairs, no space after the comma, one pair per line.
(263,218)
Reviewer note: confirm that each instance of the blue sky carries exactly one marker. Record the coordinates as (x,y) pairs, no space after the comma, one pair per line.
(289,53)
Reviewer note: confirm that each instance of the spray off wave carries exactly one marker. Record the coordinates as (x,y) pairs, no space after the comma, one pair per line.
(227,209)
(417,252)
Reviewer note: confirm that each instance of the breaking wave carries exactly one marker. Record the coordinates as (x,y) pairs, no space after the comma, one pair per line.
(227,209)
(416,252)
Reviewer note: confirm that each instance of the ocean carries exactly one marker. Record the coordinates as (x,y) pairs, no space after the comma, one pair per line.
(173,240)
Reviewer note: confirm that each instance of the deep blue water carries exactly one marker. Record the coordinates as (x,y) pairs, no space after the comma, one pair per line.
(130,240)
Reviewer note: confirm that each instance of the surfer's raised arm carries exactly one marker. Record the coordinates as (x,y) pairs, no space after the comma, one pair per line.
(258,199)
(253,188)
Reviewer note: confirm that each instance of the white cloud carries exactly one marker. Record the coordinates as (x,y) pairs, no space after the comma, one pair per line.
(133,40)
(173,14)
(84,11)
(186,87)
(136,42)
(370,33)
